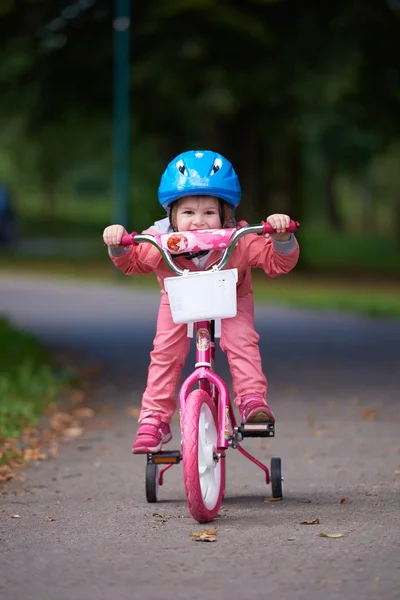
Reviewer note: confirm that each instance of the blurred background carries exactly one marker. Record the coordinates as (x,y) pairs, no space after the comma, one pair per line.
(97,96)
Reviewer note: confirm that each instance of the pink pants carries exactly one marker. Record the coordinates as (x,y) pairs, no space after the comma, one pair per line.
(239,341)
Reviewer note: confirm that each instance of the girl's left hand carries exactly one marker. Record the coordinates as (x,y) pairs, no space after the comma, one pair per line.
(280,223)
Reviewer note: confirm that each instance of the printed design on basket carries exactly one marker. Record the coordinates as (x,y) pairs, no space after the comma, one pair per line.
(203,339)
(195,241)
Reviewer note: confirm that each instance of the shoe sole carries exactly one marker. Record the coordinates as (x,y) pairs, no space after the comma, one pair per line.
(261,417)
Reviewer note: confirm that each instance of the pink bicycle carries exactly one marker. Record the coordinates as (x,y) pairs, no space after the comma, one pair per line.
(208,424)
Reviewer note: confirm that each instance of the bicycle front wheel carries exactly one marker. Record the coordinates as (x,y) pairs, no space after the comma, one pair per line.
(203,471)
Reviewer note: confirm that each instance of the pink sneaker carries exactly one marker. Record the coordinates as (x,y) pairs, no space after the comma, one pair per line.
(151,435)
(254,409)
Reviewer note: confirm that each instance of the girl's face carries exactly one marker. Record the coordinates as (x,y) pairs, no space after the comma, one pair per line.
(198,212)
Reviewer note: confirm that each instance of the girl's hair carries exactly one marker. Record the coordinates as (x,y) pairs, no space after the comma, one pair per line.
(225,213)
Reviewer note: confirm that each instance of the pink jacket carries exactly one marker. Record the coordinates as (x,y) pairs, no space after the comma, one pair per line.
(252,251)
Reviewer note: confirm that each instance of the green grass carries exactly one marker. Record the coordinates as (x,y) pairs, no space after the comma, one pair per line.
(340,252)
(371,297)
(27,381)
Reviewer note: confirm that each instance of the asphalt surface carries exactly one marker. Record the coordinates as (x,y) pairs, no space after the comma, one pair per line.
(334,388)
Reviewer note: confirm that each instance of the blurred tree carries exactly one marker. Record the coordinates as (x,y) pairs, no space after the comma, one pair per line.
(265,81)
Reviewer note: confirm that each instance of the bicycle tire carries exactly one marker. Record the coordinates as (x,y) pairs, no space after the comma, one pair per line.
(203,476)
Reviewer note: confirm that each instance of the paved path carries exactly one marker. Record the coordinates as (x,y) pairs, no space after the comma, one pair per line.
(326,373)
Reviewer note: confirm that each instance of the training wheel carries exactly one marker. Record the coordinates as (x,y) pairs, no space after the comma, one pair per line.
(151,482)
(276,478)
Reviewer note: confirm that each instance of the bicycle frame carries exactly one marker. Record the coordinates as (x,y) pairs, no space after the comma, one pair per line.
(204,374)
(208,380)
(215,386)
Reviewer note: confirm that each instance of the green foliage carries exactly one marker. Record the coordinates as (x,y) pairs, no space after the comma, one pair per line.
(277,85)
(27,380)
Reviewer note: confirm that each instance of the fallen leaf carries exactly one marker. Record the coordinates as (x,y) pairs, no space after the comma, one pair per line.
(207,535)
(369,414)
(77,397)
(60,421)
(315,521)
(291,539)
(345,501)
(133,411)
(34,455)
(73,432)
(331,535)
(321,432)
(273,499)
(49,518)
(15,517)
(6,473)
(83,413)
(163,516)
(53,450)
(48,436)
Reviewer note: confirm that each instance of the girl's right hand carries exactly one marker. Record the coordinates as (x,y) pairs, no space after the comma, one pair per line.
(112,235)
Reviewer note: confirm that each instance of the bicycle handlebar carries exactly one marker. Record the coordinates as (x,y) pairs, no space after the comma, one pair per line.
(193,241)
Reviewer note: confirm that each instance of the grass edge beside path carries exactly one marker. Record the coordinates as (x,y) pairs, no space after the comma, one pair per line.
(41,400)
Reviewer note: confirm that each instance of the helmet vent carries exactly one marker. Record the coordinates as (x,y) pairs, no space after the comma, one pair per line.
(216,166)
(181,167)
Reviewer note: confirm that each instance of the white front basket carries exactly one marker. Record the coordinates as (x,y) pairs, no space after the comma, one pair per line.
(202,295)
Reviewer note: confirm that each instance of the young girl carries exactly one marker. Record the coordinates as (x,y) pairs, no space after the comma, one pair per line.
(200,190)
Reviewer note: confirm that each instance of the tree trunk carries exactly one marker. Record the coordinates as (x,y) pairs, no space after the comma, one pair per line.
(331,209)
(245,147)
(368,217)
(397,221)
(49,187)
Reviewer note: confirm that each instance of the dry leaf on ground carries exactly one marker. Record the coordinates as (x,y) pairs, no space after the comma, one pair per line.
(331,535)
(273,499)
(133,411)
(34,455)
(345,501)
(321,432)
(369,414)
(207,535)
(84,412)
(77,397)
(15,517)
(48,518)
(6,474)
(315,521)
(60,421)
(73,432)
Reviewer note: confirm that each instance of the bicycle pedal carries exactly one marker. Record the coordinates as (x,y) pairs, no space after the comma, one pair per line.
(257,429)
(165,457)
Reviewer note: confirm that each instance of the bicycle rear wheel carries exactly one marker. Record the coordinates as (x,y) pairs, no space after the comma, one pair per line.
(203,471)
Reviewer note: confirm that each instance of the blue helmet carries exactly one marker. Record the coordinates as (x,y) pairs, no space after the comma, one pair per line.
(199,172)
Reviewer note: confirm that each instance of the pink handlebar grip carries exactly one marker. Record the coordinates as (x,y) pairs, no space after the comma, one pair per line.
(267,228)
(128,239)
